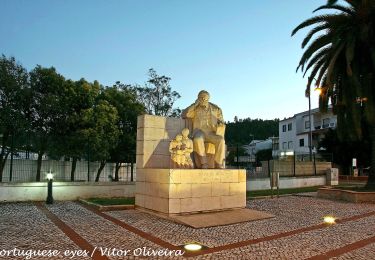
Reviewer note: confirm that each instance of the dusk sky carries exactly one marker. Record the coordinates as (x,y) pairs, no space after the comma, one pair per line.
(240,51)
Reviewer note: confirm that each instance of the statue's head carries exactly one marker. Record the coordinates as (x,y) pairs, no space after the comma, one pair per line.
(178,138)
(185,132)
(203,98)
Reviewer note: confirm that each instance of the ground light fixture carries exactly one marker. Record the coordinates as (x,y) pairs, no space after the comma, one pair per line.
(329,220)
(49,191)
(193,247)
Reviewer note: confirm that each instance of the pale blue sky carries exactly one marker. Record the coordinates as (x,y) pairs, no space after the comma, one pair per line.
(240,50)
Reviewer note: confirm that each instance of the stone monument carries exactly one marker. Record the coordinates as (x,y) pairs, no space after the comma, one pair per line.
(208,129)
(165,182)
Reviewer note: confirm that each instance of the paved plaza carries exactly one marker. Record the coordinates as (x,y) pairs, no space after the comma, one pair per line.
(297,231)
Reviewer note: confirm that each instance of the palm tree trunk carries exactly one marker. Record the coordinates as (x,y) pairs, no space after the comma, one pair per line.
(39,167)
(101,167)
(73,170)
(371,176)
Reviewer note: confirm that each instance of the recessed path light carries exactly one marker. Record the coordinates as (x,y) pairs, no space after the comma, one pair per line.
(193,247)
(329,220)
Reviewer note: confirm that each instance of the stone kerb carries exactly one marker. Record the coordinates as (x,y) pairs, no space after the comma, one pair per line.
(174,191)
(153,136)
(346,195)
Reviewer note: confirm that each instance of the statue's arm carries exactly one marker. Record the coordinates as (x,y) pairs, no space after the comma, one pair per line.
(188,112)
(220,118)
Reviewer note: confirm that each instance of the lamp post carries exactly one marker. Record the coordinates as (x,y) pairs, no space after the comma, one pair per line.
(319,91)
(49,192)
(310,130)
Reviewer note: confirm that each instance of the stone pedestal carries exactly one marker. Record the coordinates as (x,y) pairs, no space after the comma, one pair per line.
(333,176)
(179,191)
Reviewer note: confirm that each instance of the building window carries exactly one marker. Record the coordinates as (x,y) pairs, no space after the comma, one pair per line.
(326,122)
(284,145)
(284,128)
(290,145)
(290,127)
(302,142)
(275,145)
(307,124)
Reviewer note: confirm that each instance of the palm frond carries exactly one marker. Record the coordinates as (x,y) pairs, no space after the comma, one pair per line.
(332,63)
(312,32)
(311,21)
(336,7)
(323,52)
(317,44)
(315,70)
(331,2)
(323,75)
(349,55)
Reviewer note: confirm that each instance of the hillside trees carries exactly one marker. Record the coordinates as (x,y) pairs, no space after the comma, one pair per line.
(244,131)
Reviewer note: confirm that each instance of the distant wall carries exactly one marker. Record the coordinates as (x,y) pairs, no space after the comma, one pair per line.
(37,191)
(285,182)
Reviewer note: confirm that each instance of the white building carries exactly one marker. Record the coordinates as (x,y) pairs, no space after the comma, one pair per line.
(294,131)
(255,146)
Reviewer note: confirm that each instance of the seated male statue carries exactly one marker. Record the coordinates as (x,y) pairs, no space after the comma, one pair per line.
(208,127)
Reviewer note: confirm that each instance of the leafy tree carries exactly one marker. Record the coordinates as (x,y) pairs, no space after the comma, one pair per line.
(343,151)
(342,60)
(233,152)
(100,131)
(263,155)
(13,96)
(80,96)
(124,99)
(47,109)
(157,96)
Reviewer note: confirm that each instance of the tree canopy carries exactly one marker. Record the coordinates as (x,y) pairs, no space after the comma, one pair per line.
(157,96)
(43,112)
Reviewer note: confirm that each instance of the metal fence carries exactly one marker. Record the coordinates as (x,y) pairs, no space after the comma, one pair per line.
(293,166)
(24,170)
(21,163)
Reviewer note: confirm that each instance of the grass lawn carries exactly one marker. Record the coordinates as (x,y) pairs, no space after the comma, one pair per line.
(112,201)
(260,193)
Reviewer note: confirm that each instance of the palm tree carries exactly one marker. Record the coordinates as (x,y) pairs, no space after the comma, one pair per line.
(341,60)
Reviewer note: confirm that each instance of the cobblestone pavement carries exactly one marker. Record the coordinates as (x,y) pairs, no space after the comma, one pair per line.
(23,227)
(296,231)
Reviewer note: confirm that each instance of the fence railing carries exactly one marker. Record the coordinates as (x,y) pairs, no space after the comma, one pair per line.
(24,170)
(293,166)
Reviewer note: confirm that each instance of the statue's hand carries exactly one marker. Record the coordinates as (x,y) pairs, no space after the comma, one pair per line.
(220,123)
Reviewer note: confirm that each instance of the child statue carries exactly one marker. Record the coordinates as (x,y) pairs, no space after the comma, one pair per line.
(177,153)
(188,148)
(180,148)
